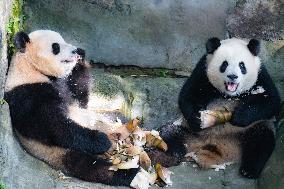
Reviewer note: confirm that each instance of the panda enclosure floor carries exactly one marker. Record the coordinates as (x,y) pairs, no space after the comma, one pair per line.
(151,95)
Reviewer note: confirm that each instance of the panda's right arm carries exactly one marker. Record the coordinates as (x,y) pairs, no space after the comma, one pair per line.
(68,134)
(195,94)
(40,113)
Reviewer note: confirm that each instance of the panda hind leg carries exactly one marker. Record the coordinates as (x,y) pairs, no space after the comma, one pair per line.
(257,146)
(94,169)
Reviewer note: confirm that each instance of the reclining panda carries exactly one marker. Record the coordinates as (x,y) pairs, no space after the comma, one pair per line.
(42,94)
(230,77)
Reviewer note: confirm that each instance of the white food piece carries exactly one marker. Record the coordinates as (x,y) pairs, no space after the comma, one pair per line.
(119,121)
(131,163)
(142,180)
(178,121)
(155,133)
(166,176)
(192,155)
(259,90)
(113,168)
(139,137)
(220,166)
(194,165)
(207,120)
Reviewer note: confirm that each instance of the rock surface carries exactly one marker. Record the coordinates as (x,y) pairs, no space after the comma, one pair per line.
(19,170)
(262,19)
(147,33)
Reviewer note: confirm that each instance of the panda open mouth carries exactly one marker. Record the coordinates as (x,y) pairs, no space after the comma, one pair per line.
(231,86)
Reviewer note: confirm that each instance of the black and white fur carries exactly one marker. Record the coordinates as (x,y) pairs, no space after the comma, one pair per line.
(46,103)
(229,77)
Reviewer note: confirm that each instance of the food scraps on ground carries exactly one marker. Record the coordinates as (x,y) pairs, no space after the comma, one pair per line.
(129,153)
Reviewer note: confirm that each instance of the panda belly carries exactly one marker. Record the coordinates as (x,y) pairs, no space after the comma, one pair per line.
(222,143)
(218,144)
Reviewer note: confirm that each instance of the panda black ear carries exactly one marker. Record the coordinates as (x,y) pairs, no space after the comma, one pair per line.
(20,40)
(254,46)
(212,44)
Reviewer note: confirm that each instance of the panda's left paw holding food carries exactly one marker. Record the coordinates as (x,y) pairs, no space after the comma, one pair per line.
(102,143)
(207,119)
(240,118)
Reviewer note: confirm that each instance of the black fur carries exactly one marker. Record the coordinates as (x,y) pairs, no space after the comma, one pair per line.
(55,48)
(78,82)
(212,44)
(20,40)
(243,67)
(257,144)
(197,92)
(80,52)
(39,111)
(94,169)
(254,46)
(258,106)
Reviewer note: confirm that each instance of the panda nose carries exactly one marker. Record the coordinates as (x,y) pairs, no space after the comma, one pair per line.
(232,77)
(79,51)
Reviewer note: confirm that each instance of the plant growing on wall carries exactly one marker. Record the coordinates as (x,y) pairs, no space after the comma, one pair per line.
(15,24)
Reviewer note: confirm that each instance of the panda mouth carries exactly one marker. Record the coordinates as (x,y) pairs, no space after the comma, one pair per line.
(231,86)
(67,61)
(72,59)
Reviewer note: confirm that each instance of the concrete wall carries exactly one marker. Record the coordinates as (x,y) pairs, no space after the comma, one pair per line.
(147,33)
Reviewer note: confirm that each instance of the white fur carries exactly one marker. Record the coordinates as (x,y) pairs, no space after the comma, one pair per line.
(233,51)
(39,60)
(44,40)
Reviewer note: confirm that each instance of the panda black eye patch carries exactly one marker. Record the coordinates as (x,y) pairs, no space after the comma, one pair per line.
(223,66)
(243,67)
(55,48)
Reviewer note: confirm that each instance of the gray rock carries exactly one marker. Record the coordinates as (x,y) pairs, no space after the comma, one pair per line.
(5,8)
(262,19)
(147,33)
(20,170)
(273,174)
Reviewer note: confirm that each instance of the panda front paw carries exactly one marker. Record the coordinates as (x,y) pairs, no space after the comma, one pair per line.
(101,143)
(241,118)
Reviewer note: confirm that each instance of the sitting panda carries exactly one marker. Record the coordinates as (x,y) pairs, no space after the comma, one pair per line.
(230,77)
(42,94)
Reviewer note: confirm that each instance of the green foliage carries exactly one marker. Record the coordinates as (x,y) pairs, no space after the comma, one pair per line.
(2,101)
(15,24)
(164,73)
(2,186)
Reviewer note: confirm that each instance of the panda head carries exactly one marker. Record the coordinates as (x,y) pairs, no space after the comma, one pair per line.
(232,64)
(47,52)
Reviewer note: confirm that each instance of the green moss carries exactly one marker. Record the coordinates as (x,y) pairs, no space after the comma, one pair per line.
(106,85)
(2,186)
(2,101)
(15,24)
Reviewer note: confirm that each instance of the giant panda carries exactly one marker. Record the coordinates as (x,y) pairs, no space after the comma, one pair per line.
(47,81)
(229,77)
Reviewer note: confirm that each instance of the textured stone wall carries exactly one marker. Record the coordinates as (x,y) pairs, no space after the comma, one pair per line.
(147,33)
(5,8)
